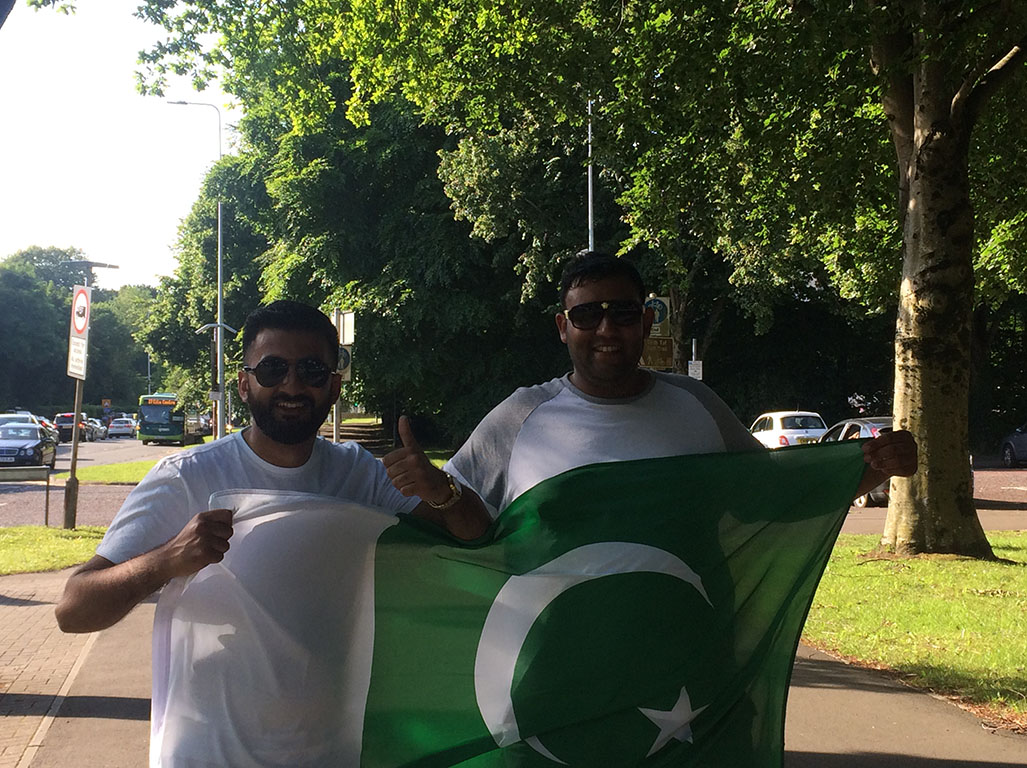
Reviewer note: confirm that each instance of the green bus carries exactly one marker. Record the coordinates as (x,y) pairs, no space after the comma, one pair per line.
(161,420)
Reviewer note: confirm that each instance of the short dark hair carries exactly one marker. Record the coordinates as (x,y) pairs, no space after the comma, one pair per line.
(590,266)
(285,315)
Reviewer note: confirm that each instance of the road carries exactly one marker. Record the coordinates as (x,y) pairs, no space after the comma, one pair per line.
(114,450)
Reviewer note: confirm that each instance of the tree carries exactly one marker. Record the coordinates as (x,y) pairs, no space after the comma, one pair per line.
(35,317)
(34,342)
(697,79)
(187,300)
(755,133)
(53,265)
(363,224)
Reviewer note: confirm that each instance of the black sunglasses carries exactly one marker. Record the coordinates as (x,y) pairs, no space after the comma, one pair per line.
(586,317)
(271,371)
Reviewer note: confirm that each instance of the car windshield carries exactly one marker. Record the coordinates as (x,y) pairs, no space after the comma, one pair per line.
(19,432)
(9,418)
(120,422)
(65,418)
(802,422)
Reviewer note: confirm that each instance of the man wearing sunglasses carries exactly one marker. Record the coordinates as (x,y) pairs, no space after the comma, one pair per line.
(608,408)
(164,529)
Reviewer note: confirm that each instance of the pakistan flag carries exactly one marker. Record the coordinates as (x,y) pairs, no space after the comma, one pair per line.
(641,613)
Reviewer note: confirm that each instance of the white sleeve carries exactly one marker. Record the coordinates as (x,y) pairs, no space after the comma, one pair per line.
(154,512)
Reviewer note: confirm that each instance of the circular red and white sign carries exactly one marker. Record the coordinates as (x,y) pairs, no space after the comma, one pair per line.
(80,311)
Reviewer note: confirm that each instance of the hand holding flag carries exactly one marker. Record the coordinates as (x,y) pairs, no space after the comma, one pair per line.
(203,541)
(893,454)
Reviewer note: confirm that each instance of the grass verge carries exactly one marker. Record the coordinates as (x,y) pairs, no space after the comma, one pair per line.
(31,548)
(951,625)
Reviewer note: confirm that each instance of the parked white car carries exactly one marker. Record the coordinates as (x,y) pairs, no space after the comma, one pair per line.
(781,428)
(122,428)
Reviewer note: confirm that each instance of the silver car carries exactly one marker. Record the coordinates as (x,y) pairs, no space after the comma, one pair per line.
(1014,447)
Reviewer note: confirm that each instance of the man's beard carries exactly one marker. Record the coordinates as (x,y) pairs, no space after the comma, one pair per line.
(291,431)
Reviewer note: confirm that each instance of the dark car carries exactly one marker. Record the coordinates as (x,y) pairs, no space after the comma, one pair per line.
(852,429)
(66,423)
(50,427)
(26,444)
(1014,447)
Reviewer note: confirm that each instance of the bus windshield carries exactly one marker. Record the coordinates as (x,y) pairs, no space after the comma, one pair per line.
(155,414)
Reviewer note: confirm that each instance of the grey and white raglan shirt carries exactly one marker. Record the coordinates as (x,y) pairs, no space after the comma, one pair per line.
(541,431)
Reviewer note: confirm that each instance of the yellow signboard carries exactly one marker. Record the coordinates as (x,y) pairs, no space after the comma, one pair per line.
(658,353)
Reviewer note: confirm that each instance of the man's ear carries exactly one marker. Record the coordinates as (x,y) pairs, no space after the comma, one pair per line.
(561,324)
(244,386)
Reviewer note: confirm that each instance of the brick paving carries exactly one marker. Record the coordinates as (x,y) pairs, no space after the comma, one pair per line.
(35,658)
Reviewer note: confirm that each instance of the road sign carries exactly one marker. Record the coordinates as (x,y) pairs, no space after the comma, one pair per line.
(345,324)
(78,337)
(658,354)
(695,369)
(660,306)
(346,362)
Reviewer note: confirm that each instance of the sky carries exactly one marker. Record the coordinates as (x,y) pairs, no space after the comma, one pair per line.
(85,160)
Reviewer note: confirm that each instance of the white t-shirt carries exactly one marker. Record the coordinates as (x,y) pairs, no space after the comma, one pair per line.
(180,486)
(541,431)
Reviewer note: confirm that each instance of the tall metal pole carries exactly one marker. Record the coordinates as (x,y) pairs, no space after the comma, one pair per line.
(219,328)
(591,219)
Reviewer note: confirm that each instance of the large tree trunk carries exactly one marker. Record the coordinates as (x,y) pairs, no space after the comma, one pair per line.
(933,511)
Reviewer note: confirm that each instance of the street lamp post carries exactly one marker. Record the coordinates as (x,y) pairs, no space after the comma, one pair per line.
(218,326)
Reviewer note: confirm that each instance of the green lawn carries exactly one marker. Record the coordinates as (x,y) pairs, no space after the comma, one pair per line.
(29,548)
(952,625)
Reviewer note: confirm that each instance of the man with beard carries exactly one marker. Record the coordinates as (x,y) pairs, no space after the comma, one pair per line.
(164,529)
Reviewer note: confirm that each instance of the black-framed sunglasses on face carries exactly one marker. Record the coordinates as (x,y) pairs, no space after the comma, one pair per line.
(271,371)
(586,317)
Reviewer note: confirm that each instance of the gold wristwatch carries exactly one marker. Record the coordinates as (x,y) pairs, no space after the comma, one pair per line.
(456,490)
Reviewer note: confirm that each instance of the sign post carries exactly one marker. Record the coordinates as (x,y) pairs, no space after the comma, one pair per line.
(78,358)
(658,352)
(345,324)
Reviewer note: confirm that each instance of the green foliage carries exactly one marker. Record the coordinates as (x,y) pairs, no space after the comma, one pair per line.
(187,300)
(51,265)
(35,291)
(743,155)
(33,345)
(364,225)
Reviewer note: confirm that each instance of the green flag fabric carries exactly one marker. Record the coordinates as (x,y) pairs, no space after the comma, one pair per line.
(639,613)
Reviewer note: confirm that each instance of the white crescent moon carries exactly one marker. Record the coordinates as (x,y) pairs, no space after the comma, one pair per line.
(523,599)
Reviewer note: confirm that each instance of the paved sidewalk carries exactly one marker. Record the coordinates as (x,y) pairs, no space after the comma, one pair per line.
(36,659)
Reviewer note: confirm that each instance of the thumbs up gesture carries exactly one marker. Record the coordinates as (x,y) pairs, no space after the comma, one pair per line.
(412,473)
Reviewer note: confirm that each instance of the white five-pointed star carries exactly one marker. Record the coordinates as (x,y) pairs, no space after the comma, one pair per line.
(673,724)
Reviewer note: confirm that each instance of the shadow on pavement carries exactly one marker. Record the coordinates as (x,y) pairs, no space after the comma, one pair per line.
(879,760)
(994,504)
(5,600)
(100,707)
(814,673)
